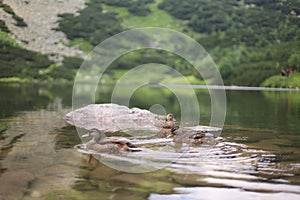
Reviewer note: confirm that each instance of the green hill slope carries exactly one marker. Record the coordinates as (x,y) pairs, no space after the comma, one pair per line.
(18,62)
(250,40)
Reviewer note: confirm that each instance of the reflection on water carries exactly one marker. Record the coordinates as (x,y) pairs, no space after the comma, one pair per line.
(15,98)
(259,157)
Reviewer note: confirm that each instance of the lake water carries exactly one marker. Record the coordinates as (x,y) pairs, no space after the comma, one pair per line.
(258,157)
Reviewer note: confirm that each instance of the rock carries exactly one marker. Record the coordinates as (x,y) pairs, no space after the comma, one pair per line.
(41,18)
(114,118)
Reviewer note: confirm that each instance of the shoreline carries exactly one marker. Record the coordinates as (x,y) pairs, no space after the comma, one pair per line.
(14,80)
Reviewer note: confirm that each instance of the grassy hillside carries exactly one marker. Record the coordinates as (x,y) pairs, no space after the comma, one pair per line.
(155,18)
(250,40)
(20,65)
(18,62)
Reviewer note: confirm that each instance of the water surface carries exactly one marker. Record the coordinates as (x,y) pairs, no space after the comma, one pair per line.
(258,158)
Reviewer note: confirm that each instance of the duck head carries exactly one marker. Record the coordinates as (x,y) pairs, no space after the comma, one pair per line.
(94,133)
(170,117)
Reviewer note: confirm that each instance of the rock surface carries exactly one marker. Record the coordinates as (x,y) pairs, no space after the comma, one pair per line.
(114,118)
(41,18)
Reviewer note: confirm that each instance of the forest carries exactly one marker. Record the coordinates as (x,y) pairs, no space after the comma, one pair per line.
(249,40)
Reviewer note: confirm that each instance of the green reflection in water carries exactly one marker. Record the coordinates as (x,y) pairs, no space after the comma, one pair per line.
(21,97)
(37,159)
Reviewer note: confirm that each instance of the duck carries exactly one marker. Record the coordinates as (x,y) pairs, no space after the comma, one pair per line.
(192,137)
(167,126)
(170,121)
(114,145)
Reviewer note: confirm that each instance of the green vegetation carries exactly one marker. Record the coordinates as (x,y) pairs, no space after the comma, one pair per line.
(15,80)
(156,18)
(19,65)
(4,38)
(138,8)
(92,24)
(82,44)
(145,56)
(18,62)
(251,22)
(3,27)
(76,30)
(292,81)
(249,40)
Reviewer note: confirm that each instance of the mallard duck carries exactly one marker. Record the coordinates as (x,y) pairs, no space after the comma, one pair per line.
(170,121)
(193,137)
(168,124)
(108,144)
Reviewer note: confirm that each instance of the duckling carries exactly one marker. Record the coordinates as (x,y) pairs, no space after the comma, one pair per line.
(108,144)
(167,126)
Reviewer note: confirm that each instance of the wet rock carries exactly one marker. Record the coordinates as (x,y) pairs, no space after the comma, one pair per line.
(117,118)
(114,118)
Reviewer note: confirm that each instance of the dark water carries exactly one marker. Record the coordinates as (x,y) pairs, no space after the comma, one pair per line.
(258,158)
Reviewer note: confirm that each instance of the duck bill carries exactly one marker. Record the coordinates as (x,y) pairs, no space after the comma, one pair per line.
(85,135)
(134,149)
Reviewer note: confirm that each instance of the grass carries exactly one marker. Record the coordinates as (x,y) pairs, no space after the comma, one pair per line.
(179,80)
(293,81)
(117,74)
(82,45)
(15,80)
(157,18)
(4,37)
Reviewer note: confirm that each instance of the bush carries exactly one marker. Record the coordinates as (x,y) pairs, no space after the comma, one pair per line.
(18,62)
(72,62)
(293,81)
(3,27)
(139,9)
(91,25)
